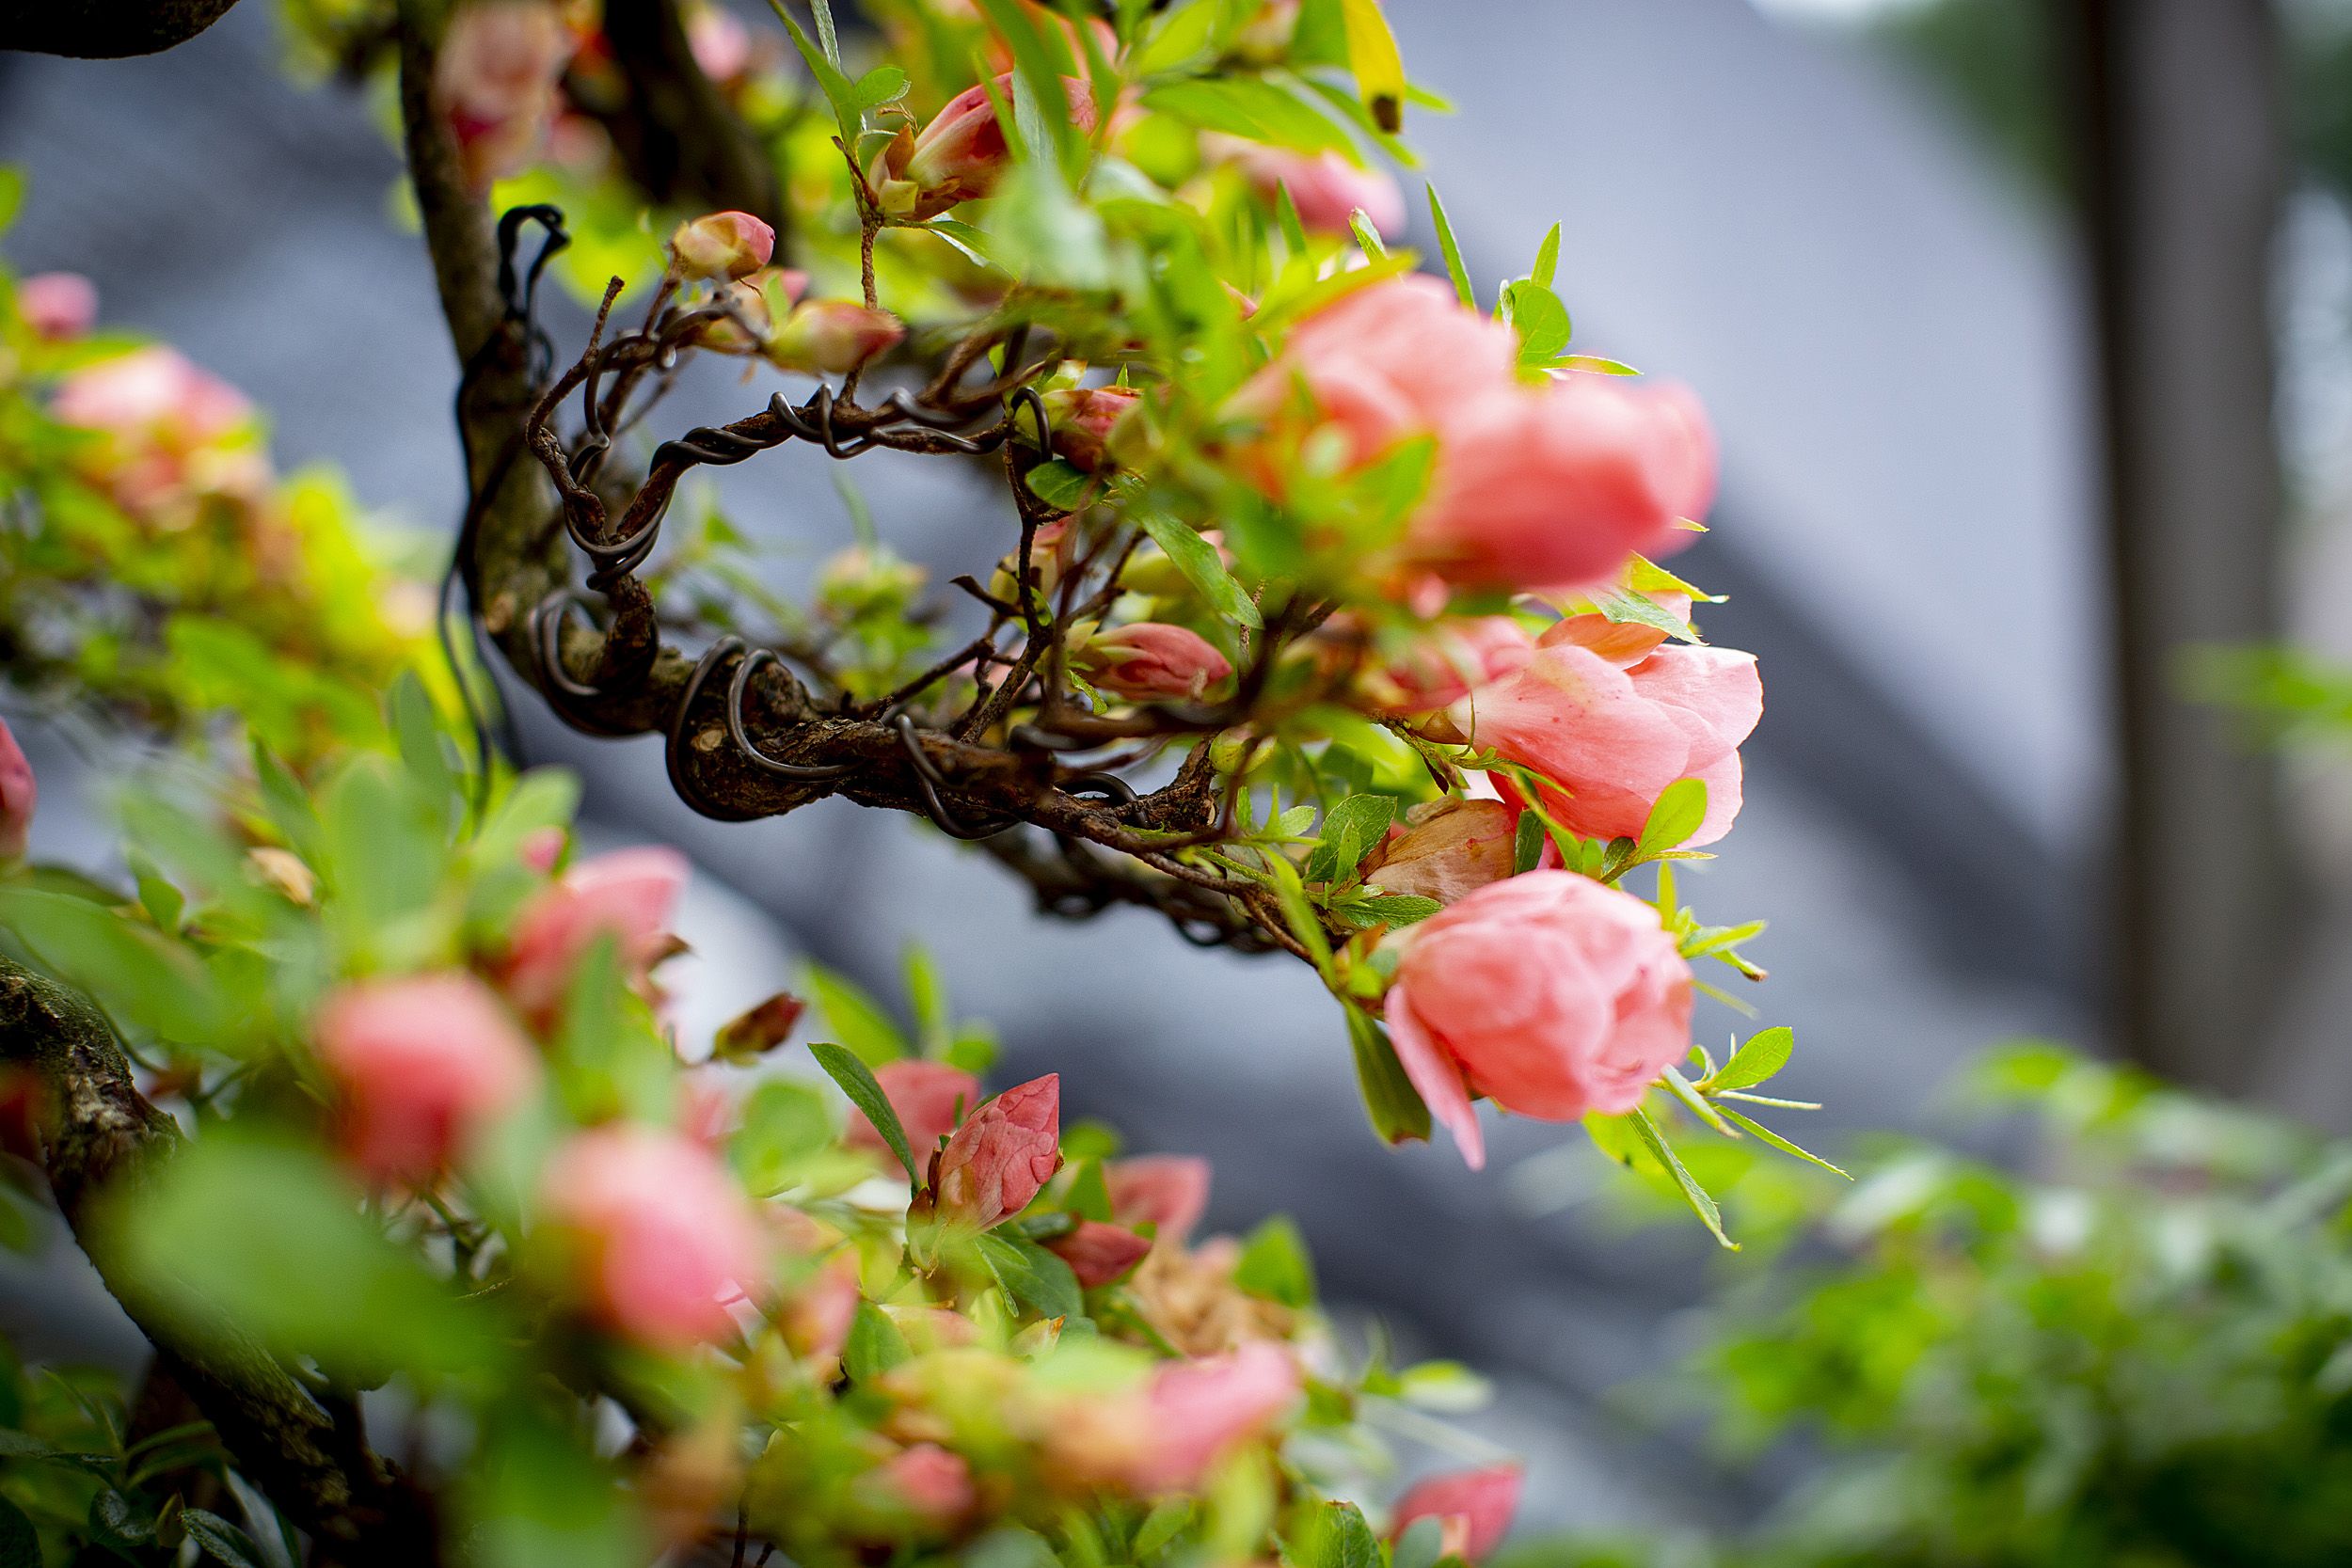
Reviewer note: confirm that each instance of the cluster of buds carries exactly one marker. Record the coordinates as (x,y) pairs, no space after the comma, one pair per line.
(817,337)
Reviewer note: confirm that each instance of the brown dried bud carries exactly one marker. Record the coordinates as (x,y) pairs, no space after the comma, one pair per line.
(761,1030)
(1449,849)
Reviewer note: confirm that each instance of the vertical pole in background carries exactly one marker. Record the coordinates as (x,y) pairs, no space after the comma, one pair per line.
(2180,126)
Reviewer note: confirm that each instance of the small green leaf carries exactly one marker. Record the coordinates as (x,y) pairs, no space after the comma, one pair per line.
(1696,1195)
(1527,844)
(1090,1195)
(1546,260)
(1397,1112)
(1541,320)
(823,64)
(1595,363)
(1622,607)
(1401,908)
(1780,1143)
(1061,485)
(1422,1545)
(1360,222)
(1286,219)
(1251,107)
(1299,913)
(1766,1054)
(1198,560)
(1031,1275)
(1296,821)
(410,712)
(1341,1540)
(857,1081)
(1695,1102)
(927,993)
(1275,1266)
(874,1345)
(221,1541)
(1164,1524)
(855,1019)
(882,85)
(1453,252)
(1349,832)
(1681,807)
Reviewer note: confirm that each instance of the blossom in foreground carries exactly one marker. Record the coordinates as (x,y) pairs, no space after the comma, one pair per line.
(20,792)
(1449,849)
(929,1098)
(1548,992)
(1614,738)
(661,1234)
(961,153)
(57,306)
(424,1061)
(1098,1253)
(1150,659)
(494,82)
(1474,1507)
(1168,1190)
(629,895)
(832,336)
(723,245)
(1083,419)
(1001,1155)
(1326,189)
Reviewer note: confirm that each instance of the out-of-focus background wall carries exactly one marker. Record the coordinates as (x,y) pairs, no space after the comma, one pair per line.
(1857,229)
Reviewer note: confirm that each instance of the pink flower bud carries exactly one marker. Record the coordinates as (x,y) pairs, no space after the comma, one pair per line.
(1453,659)
(1448,850)
(1615,738)
(721,44)
(929,1481)
(20,792)
(423,1062)
(1083,419)
(1099,1253)
(1326,189)
(724,245)
(494,82)
(660,1233)
(1199,1411)
(833,337)
(1170,1191)
(960,154)
(1475,1507)
(57,306)
(1548,992)
(929,1098)
(1001,1155)
(629,895)
(1150,659)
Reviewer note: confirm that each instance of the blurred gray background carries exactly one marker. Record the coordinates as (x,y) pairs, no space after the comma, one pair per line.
(1885,320)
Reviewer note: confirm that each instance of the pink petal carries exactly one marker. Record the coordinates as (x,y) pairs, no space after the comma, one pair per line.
(1438,1078)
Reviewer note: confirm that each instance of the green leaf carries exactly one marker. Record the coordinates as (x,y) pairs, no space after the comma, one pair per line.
(1299,913)
(1595,363)
(1547,259)
(1401,908)
(220,1540)
(784,1122)
(1696,1195)
(1397,1112)
(1342,1538)
(419,737)
(1541,320)
(1252,108)
(857,1081)
(1367,237)
(1286,217)
(838,89)
(1453,252)
(1766,1054)
(874,1345)
(855,1019)
(1780,1143)
(1527,844)
(1059,484)
(1031,1275)
(1622,605)
(1349,832)
(1167,1518)
(1680,809)
(543,797)
(1090,1195)
(1422,1545)
(20,1544)
(11,193)
(1198,560)
(1275,1266)
(884,84)
(383,848)
(927,993)
(135,974)
(1695,1103)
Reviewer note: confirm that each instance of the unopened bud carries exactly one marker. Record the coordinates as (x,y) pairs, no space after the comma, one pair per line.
(1150,659)
(725,245)
(19,794)
(57,306)
(999,1157)
(833,337)
(961,152)
(753,1033)
(1084,421)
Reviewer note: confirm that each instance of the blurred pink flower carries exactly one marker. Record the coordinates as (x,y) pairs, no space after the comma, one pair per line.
(1001,1155)
(1453,660)
(1548,992)
(722,45)
(1170,1191)
(1198,1411)
(662,1232)
(723,245)
(494,81)
(423,1062)
(928,1096)
(928,1480)
(1083,419)
(1325,188)
(152,392)
(818,1313)
(1475,1506)
(1150,659)
(629,895)
(1099,1253)
(20,792)
(1613,740)
(57,306)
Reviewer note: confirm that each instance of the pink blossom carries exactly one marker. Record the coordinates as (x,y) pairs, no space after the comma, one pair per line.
(57,306)
(928,1480)
(1170,1191)
(1476,1506)
(1083,419)
(1150,659)
(1447,851)
(961,154)
(721,44)
(1613,740)
(1099,1253)
(423,1062)
(1621,643)
(20,792)
(1326,189)
(542,847)
(629,895)
(928,1097)
(495,82)
(1001,1155)
(661,1232)
(1454,658)
(816,1314)
(833,337)
(1199,1411)
(723,245)
(1548,992)
(153,392)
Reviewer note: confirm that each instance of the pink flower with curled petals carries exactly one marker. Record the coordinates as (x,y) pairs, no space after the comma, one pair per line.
(423,1063)
(928,1481)
(660,1235)
(57,306)
(1098,1253)
(929,1098)
(1473,1506)
(1001,1155)
(1613,738)
(629,895)
(20,792)
(723,245)
(1147,659)
(1549,993)
(961,153)
(1170,1191)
